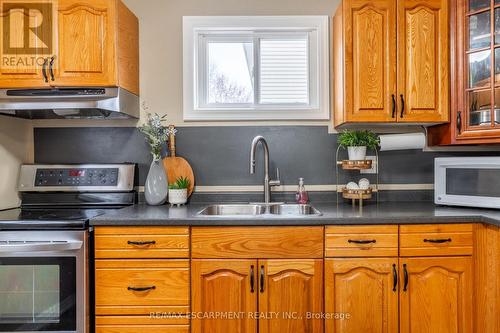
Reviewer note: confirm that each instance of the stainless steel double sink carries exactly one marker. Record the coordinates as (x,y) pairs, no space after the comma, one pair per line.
(253,210)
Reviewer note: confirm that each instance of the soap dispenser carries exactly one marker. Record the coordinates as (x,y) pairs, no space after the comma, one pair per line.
(301,197)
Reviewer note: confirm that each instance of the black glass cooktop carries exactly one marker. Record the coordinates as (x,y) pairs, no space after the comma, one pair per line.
(47,218)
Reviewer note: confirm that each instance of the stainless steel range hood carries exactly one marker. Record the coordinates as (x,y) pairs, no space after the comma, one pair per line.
(69,103)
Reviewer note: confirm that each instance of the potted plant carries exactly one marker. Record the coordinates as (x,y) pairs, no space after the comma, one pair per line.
(357,142)
(156,186)
(178,191)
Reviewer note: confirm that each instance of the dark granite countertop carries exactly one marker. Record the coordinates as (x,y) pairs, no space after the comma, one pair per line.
(343,214)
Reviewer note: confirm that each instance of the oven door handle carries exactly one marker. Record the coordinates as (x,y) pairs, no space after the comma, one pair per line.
(41,247)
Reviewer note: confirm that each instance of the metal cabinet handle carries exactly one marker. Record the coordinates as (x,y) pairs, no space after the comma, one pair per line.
(405,273)
(261,279)
(443,240)
(393,106)
(362,241)
(44,70)
(141,288)
(394,277)
(459,122)
(252,279)
(51,70)
(402,105)
(140,243)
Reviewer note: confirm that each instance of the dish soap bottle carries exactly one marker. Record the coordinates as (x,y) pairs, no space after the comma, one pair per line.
(301,197)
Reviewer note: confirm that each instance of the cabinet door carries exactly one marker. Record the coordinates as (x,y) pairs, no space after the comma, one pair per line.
(289,292)
(224,287)
(423,61)
(438,295)
(365,290)
(370,59)
(86,48)
(27,42)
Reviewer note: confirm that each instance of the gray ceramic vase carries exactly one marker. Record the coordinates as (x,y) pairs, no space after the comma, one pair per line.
(156,187)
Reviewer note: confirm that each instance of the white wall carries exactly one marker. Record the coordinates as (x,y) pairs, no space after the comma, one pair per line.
(160,23)
(16,147)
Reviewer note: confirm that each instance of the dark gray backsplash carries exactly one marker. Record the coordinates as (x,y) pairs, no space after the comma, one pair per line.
(220,155)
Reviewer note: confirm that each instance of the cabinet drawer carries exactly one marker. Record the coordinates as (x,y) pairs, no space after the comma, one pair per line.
(257,242)
(134,324)
(435,240)
(168,280)
(141,242)
(361,241)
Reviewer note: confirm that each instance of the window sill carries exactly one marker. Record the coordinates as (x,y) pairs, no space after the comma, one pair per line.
(253,114)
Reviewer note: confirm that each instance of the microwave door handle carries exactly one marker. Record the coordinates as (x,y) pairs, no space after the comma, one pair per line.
(41,247)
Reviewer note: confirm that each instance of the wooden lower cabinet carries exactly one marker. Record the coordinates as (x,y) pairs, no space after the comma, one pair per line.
(438,295)
(362,291)
(138,287)
(292,296)
(272,296)
(144,324)
(223,288)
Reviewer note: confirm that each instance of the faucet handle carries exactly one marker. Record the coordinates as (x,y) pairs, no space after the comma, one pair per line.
(277,181)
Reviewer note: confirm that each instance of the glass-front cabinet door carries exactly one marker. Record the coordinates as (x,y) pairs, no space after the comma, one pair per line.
(478,109)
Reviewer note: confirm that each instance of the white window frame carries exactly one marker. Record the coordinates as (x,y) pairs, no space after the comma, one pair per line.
(197,29)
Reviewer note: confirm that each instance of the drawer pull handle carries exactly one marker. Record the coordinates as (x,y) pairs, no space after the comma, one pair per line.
(362,241)
(141,288)
(141,243)
(394,277)
(444,240)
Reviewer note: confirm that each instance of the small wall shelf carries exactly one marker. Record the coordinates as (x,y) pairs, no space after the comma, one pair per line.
(350,165)
(355,164)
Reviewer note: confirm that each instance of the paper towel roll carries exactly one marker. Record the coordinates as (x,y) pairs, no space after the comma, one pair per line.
(402,141)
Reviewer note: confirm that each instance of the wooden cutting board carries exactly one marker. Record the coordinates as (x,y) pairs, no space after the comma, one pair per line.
(176,166)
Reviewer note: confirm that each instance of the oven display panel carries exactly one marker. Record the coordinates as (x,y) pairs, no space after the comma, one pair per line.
(77,177)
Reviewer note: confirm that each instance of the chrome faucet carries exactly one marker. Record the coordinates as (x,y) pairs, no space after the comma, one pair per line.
(267,182)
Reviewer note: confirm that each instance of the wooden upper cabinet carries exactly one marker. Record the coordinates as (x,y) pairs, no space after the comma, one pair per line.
(364,52)
(438,296)
(95,43)
(391,61)
(292,289)
(423,61)
(364,288)
(22,55)
(86,50)
(219,286)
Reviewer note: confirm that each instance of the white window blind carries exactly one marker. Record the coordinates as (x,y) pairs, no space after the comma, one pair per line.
(284,71)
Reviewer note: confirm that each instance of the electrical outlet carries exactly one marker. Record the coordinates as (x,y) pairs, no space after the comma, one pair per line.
(374,167)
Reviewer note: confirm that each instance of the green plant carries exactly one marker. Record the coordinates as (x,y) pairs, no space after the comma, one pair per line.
(156,134)
(358,138)
(180,183)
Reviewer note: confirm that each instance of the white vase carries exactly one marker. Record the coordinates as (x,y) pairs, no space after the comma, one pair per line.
(177,196)
(156,186)
(356,153)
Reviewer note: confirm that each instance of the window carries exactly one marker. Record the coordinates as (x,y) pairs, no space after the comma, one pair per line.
(256,68)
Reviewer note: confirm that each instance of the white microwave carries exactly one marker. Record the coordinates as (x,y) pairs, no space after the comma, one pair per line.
(467,181)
